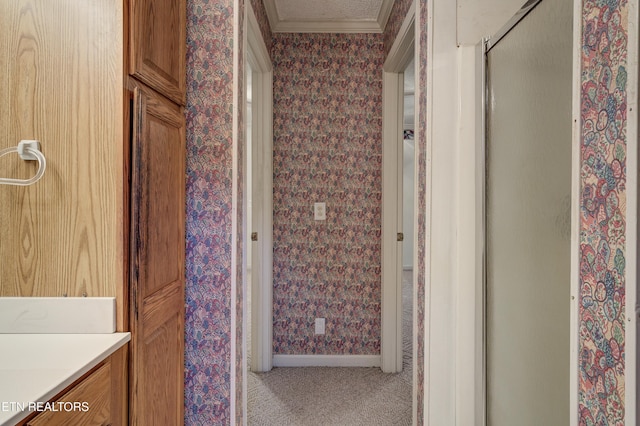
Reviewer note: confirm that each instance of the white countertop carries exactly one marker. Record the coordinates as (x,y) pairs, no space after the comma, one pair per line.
(36,367)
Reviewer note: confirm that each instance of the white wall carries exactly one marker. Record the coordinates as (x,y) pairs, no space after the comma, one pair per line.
(408,179)
(454,362)
(442,168)
(483,18)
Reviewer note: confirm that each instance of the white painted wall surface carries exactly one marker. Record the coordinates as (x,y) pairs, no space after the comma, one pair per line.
(442,124)
(408,171)
(483,18)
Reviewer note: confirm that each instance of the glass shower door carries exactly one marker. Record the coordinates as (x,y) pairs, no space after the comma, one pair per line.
(528,205)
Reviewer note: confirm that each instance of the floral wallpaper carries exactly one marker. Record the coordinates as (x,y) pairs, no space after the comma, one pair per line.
(398,13)
(338,161)
(602,212)
(211,214)
(238,201)
(327,148)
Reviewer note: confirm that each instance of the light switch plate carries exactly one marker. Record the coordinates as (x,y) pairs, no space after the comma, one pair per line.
(320,211)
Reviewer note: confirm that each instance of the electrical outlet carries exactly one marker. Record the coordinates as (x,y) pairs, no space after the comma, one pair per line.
(319,325)
(320,211)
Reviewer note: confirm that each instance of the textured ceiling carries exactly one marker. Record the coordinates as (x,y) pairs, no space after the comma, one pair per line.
(314,10)
(364,16)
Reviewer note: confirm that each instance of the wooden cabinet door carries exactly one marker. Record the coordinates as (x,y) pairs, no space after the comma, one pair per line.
(99,399)
(157,259)
(158,46)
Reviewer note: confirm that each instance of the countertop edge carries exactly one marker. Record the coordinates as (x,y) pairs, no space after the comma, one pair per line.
(122,338)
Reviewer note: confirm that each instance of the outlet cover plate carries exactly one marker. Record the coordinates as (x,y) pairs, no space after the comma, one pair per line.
(320,211)
(320,326)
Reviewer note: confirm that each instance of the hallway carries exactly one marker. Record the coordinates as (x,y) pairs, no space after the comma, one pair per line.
(317,396)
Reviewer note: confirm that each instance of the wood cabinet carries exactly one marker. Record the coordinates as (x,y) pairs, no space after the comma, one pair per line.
(100,397)
(157,259)
(157,52)
(157,84)
(102,85)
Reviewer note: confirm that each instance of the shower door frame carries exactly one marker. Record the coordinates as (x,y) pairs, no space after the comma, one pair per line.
(482,50)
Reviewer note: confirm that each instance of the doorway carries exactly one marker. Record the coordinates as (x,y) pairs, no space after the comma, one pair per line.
(258,202)
(528,217)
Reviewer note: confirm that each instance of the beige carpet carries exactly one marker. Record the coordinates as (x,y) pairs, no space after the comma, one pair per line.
(322,396)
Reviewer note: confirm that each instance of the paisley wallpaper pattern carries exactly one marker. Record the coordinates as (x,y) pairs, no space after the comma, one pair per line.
(239,182)
(210,214)
(602,213)
(327,148)
(211,217)
(421,152)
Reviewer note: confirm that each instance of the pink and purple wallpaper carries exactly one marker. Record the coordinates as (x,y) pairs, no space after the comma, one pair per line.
(210,112)
(327,148)
(421,152)
(603,212)
(239,164)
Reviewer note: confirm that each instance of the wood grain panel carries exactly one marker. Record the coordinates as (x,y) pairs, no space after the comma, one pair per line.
(158,46)
(61,75)
(157,259)
(104,392)
(94,390)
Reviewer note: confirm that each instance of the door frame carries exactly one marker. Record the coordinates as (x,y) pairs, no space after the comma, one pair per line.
(401,53)
(258,58)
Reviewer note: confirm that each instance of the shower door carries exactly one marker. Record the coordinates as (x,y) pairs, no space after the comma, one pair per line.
(528,222)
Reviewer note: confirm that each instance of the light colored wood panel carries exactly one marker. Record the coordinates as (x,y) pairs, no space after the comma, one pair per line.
(163,181)
(120,387)
(158,46)
(161,375)
(104,391)
(61,68)
(94,391)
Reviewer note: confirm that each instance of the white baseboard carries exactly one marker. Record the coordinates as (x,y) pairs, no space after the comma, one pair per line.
(326,360)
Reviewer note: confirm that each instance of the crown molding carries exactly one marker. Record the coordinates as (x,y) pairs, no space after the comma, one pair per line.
(385,13)
(333,26)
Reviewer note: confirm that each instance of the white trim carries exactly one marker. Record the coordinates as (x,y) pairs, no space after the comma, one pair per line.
(345,26)
(376,25)
(402,49)
(256,47)
(631,281)
(326,360)
(469,301)
(574,334)
(262,136)
(480,404)
(385,13)
(442,211)
(391,340)
(391,249)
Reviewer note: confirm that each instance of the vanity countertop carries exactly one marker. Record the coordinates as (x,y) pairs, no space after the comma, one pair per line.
(36,367)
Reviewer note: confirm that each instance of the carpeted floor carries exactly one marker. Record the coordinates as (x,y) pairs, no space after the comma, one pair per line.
(321,396)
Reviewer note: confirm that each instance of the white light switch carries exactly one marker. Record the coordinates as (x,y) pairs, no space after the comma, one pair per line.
(319,325)
(320,211)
